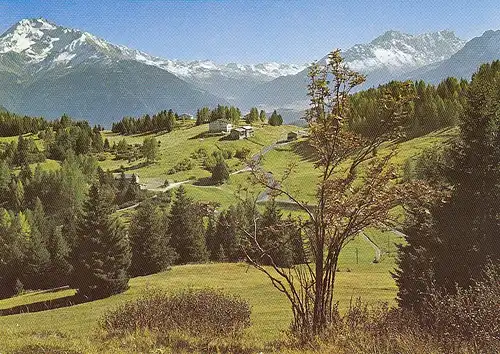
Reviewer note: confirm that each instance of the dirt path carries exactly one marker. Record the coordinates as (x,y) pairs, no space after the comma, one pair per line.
(378,251)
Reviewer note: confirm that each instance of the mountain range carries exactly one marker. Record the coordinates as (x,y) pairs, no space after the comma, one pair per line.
(47,70)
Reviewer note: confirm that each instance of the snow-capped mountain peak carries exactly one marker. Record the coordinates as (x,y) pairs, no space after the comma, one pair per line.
(400,52)
(45,44)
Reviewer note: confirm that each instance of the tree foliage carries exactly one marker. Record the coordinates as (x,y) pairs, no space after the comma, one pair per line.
(151,252)
(346,202)
(101,257)
(454,226)
(186,229)
(275,119)
(161,121)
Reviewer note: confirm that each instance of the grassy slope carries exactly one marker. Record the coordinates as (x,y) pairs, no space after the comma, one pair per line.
(77,326)
(180,144)
(300,183)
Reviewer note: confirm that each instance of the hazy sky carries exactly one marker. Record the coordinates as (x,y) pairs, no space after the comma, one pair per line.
(252,31)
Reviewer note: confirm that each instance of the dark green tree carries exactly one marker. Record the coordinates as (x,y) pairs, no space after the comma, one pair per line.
(451,240)
(220,172)
(263,116)
(101,257)
(252,116)
(186,229)
(151,252)
(469,224)
(275,119)
(36,260)
(150,150)
(60,267)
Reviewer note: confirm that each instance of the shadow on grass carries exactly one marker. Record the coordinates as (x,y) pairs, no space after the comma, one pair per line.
(205,182)
(204,135)
(45,305)
(305,151)
(129,168)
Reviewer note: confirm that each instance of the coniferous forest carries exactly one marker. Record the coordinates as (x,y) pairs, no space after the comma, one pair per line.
(63,226)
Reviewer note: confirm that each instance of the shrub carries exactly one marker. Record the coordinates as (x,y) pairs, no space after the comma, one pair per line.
(183,165)
(242,153)
(199,153)
(227,154)
(470,315)
(201,313)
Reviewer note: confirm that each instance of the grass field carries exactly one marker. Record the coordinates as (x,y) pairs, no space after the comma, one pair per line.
(180,144)
(77,327)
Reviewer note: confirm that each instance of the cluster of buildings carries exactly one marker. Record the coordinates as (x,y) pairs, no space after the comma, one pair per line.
(225,127)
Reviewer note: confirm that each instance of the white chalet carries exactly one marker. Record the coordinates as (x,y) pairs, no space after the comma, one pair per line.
(219,126)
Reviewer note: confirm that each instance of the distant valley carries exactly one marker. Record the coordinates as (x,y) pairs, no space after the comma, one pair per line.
(48,70)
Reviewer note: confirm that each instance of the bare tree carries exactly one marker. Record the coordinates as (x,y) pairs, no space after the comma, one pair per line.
(346,201)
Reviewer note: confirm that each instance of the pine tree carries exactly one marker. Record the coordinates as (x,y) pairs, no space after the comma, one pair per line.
(149,150)
(273,236)
(227,235)
(17,194)
(36,259)
(60,268)
(186,229)
(11,254)
(220,172)
(22,153)
(101,257)
(275,119)
(253,116)
(451,241)
(469,224)
(262,116)
(151,252)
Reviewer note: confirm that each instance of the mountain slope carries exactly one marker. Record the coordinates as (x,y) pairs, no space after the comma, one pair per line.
(39,52)
(465,62)
(386,58)
(49,70)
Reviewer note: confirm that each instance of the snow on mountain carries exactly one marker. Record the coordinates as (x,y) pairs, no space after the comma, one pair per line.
(462,64)
(388,57)
(400,52)
(45,45)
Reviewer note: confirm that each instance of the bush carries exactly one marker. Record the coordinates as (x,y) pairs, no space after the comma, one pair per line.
(199,153)
(470,315)
(183,165)
(201,313)
(242,153)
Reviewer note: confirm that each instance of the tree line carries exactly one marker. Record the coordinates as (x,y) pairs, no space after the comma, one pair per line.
(161,121)
(80,242)
(207,115)
(432,108)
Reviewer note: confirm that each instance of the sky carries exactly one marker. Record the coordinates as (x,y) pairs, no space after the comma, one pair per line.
(254,31)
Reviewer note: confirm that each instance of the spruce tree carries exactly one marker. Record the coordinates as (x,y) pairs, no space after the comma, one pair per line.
(186,229)
(450,241)
(273,236)
(60,268)
(36,259)
(11,254)
(469,224)
(262,116)
(275,119)
(101,257)
(220,172)
(151,252)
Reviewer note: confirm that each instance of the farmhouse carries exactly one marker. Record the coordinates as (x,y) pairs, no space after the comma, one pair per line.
(243,132)
(186,116)
(219,126)
(128,177)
